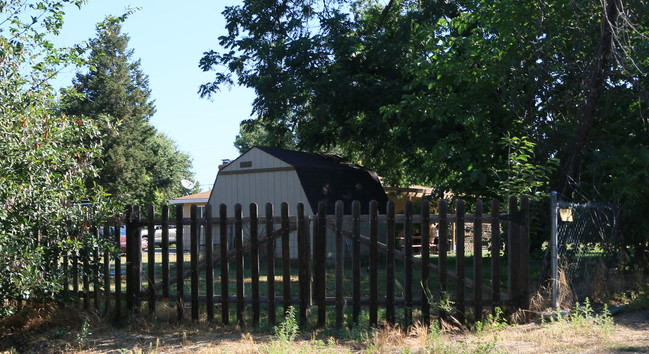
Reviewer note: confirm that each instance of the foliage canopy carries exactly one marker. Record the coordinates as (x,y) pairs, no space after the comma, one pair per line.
(435,92)
(46,156)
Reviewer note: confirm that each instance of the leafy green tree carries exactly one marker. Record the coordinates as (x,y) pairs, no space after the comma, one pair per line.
(138,165)
(425,92)
(252,133)
(45,159)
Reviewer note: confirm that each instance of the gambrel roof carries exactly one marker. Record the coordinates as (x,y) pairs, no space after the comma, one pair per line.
(331,178)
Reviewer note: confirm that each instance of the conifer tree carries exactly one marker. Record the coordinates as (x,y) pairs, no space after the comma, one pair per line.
(116,92)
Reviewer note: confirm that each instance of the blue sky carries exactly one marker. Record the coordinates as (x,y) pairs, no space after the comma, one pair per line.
(170,37)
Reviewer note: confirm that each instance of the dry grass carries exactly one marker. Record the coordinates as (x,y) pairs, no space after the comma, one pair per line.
(51,328)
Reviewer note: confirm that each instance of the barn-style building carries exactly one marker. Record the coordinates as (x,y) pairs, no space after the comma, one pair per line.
(274,175)
(266,174)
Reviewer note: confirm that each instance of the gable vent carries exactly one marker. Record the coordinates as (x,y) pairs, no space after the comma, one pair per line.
(245,164)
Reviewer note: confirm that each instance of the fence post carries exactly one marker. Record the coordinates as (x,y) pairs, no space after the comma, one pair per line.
(270,269)
(477,262)
(254,262)
(524,251)
(194,259)
(151,256)
(225,265)
(133,259)
(389,286)
(209,263)
(180,262)
(512,252)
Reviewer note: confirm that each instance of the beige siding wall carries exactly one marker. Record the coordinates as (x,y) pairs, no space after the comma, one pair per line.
(265,179)
(259,160)
(260,188)
(268,179)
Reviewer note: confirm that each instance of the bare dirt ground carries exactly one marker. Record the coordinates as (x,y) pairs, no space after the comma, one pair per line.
(63,331)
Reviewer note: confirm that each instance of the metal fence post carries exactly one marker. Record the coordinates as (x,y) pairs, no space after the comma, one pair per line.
(553,248)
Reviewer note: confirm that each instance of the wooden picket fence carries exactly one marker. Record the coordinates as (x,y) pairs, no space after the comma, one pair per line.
(320,276)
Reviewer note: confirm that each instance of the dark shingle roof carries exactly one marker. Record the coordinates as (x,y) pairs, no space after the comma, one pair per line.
(331,178)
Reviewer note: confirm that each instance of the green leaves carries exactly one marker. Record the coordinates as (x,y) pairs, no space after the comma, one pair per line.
(46,157)
(523,175)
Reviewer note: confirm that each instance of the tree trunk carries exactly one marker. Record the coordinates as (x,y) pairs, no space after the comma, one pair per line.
(571,170)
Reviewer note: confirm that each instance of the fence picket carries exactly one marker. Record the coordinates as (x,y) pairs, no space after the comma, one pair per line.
(270,268)
(151,256)
(459,260)
(495,253)
(238,244)
(254,263)
(407,264)
(225,293)
(106,270)
(180,263)
(95,275)
(340,295)
(389,288)
(373,263)
(75,273)
(286,257)
(442,246)
(303,255)
(524,254)
(133,259)
(209,263)
(86,278)
(320,253)
(66,276)
(118,271)
(165,251)
(193,231)
(425,260)
(477,261)
(356,261)
(513,286)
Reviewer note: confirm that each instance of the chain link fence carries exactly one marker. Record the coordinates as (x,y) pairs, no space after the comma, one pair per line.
(585,247)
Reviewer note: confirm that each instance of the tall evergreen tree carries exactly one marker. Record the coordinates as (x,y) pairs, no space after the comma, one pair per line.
(116,89)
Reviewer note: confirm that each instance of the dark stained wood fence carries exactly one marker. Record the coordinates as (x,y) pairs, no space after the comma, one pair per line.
(321,279)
